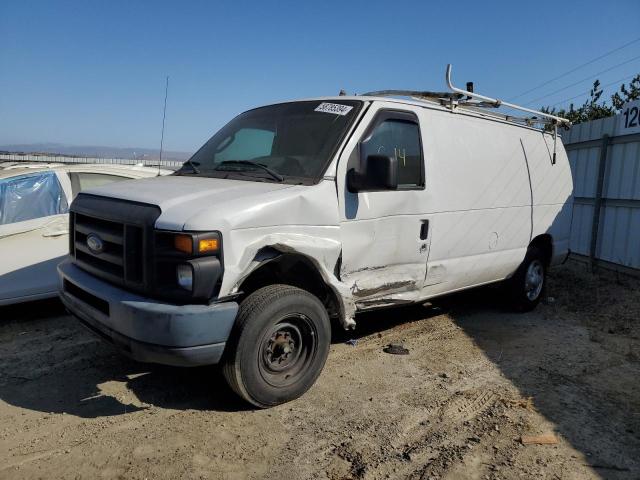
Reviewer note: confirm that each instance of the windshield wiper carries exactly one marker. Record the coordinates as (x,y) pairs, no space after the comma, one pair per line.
(273,173)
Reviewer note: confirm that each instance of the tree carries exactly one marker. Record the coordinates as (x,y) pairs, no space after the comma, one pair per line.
(593,108)
(626,95)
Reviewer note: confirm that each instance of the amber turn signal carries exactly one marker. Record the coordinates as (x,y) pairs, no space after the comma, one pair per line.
(208,245)
(184,243)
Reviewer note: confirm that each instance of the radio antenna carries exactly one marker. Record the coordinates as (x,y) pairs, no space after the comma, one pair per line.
(164,114)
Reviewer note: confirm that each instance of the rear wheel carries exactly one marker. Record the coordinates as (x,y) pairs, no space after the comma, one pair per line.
(278,346)
(527,285)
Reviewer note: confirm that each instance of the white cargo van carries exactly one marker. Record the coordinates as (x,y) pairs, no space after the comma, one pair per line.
(298,213)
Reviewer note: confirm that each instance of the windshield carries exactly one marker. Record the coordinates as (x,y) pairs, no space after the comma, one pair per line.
(286,142)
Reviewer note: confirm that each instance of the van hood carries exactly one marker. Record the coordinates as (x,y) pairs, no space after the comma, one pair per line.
(183,197)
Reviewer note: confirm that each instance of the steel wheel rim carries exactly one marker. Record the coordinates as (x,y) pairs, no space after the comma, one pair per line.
(287,349)
(534,280)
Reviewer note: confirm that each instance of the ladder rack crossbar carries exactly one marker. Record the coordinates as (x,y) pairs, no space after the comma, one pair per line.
(501,103)
(475,102)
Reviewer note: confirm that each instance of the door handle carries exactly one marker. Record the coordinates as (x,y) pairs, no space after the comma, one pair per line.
(424,230)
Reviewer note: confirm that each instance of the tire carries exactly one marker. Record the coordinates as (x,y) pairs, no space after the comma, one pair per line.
(527,286)
(278,345)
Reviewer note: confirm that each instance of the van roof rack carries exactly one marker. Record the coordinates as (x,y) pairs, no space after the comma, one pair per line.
(476,102)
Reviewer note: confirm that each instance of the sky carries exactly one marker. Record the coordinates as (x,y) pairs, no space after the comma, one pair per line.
(93,72)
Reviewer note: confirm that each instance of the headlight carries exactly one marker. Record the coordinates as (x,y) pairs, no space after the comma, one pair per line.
(188,265)
(184,274)
(183,243)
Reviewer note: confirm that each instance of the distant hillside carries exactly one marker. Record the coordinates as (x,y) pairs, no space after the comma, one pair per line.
(96,151)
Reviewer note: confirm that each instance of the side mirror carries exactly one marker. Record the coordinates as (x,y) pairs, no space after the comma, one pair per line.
(378,173)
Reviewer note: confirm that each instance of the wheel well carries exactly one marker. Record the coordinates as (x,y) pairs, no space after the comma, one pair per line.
(295,270)
(545,243)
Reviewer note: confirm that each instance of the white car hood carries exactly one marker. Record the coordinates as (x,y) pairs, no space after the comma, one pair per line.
(182,198)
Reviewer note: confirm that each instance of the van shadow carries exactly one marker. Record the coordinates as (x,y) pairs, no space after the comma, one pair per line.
(377,321)
(50,363)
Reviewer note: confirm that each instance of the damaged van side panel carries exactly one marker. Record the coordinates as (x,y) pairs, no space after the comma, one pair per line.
(297,220)
(384,257)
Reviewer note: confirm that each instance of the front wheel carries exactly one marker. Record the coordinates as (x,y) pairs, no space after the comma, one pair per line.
(278,345)
(527,285)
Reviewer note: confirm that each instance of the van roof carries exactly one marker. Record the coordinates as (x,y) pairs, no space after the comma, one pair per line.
(481,114)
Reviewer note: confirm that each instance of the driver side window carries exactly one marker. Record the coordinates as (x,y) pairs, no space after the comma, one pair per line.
(246,144)
(400,138)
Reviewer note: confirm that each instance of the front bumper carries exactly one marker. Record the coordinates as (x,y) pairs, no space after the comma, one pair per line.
(145,329)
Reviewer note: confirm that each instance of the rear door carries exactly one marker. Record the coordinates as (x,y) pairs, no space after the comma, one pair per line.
(385,235)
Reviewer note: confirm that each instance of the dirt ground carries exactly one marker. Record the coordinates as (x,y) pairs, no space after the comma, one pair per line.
(477,378)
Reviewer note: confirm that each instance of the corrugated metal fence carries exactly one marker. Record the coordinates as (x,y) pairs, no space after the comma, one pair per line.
(19,157)
(605,161)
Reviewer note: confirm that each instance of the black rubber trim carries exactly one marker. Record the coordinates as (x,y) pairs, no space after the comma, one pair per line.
(101,305)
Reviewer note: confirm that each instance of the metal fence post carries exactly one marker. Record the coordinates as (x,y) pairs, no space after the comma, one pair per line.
(597,204)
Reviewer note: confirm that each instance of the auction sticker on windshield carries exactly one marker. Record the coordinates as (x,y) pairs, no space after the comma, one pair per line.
(333,108)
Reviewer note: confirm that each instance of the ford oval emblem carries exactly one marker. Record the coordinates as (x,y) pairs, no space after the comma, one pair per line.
(95,243)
